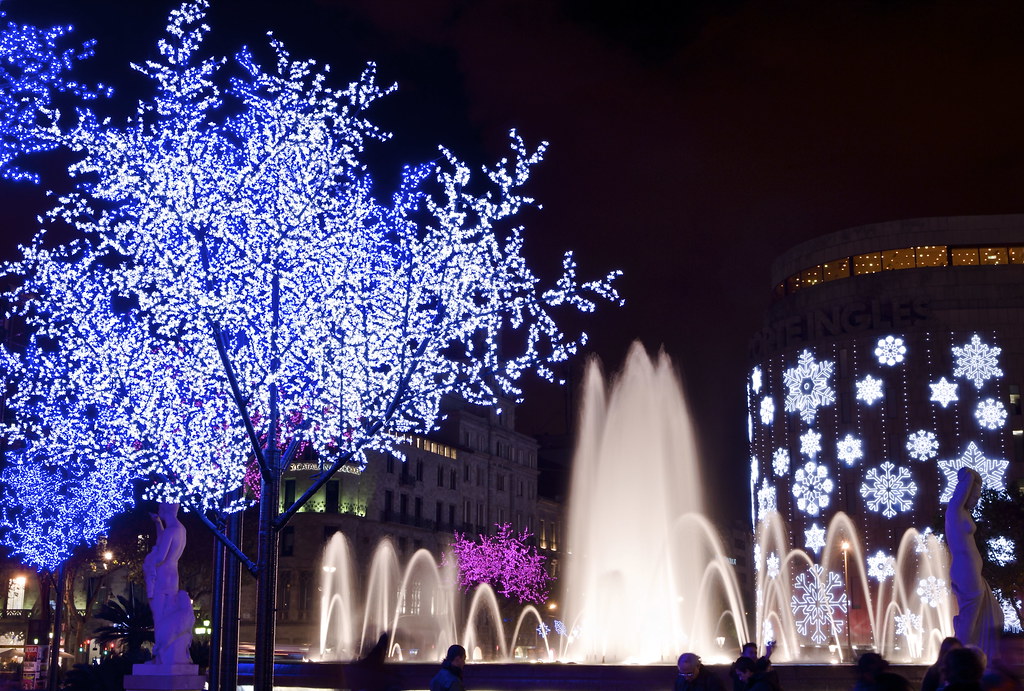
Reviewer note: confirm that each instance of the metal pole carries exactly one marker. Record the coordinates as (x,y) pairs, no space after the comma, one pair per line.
(58,624)
(232,573)
(217,615)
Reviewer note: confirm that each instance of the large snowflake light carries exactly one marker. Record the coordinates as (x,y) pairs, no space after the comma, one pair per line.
(890,351)
(1001,550)
(767,410)
(977,362)
(991,470)
(766,500)
(888,489)
(1011,612)
(848,449)
(772,565)
(908,624)
(869,389)
(812,488)
(990,414)
(814,538)
(810,443)
(932,591)
(881,566)
(780,461)
(944,392)
(755,380)
(818,604)
(808,386)
(922,445)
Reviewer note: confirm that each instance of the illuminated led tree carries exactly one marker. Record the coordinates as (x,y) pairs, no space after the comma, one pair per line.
(504,560)
(271,300)
(34,71)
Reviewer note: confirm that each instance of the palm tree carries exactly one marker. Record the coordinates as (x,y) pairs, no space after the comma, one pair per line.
(131,625)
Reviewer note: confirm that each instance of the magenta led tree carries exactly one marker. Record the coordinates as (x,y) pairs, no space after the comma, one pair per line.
(505,561)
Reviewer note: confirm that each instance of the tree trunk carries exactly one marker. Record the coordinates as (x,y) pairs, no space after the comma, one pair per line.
(266,584)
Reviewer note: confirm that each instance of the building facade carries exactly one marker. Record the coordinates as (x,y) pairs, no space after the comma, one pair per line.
(472,474)
(891,356)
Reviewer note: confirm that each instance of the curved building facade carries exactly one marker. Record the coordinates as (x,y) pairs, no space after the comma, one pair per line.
(891,355)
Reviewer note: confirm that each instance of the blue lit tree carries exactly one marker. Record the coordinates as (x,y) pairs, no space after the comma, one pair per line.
(34,69)
(235,273)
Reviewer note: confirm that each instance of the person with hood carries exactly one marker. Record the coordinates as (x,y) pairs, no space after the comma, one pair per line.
(449,678)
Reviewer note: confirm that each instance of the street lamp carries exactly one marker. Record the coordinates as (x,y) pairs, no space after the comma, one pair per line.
(845,546)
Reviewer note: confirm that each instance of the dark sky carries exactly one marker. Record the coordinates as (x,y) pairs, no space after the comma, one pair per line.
(691,142)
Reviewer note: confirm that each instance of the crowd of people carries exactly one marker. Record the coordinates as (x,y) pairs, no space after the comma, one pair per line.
(957,668)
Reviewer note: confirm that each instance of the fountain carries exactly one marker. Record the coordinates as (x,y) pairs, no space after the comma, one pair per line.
(645,576)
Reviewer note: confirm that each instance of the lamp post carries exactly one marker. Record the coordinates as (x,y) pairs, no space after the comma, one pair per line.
(845,546)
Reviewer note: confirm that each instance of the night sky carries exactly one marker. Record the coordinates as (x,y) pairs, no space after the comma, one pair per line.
(691,142)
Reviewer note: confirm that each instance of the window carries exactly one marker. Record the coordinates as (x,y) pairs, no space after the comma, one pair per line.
(418,509)
(931,255)
(479,477)
(964,256)
(404,506)
(288,541)
(391,464)
(438,512)
(332,490)
(499,482)
(898,259)
(993,255)
(837,269)
(867,263)
(451,514)
(289,492)
(452,477)
(440,476)
(810,277)
(389,503)
(465,473)
(419,469)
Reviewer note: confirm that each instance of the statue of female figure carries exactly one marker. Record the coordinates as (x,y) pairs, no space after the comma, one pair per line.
(160,568)
(980,619)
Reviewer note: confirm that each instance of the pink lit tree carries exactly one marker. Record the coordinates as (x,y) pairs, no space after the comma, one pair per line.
(505,561)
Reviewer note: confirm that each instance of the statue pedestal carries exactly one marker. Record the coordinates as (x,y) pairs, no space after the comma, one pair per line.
(167,677)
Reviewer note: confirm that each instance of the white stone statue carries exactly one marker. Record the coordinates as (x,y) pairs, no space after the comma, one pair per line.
(173,617)
(979,620)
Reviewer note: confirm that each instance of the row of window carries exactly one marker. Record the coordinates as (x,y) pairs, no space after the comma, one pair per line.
(414,469)
(414,514)
(903,258)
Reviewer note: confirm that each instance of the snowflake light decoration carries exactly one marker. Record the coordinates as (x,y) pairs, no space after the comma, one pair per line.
(990,414)
(810,443)
(922,445)
(944,392)
(908,624)
(757,557)
(772,564)
(1011,612)
(817,606)
(543,630)
(991,470)
(888,489)
(869,389)
(808,386)
(767,410)
(1002,550)
(812,488)
(890,351)
(923,539)
(932,591)
(881,566)
(560,627)
(977,362)
(755,380)
(814,538)
(848,450)
(780,461)
(766,500)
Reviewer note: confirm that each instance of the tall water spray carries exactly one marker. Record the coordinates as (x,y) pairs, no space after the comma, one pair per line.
(646,577)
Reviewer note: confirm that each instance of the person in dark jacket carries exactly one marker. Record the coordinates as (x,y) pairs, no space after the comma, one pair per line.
(449,678)
(756,675)
(693,676)
(933,677)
